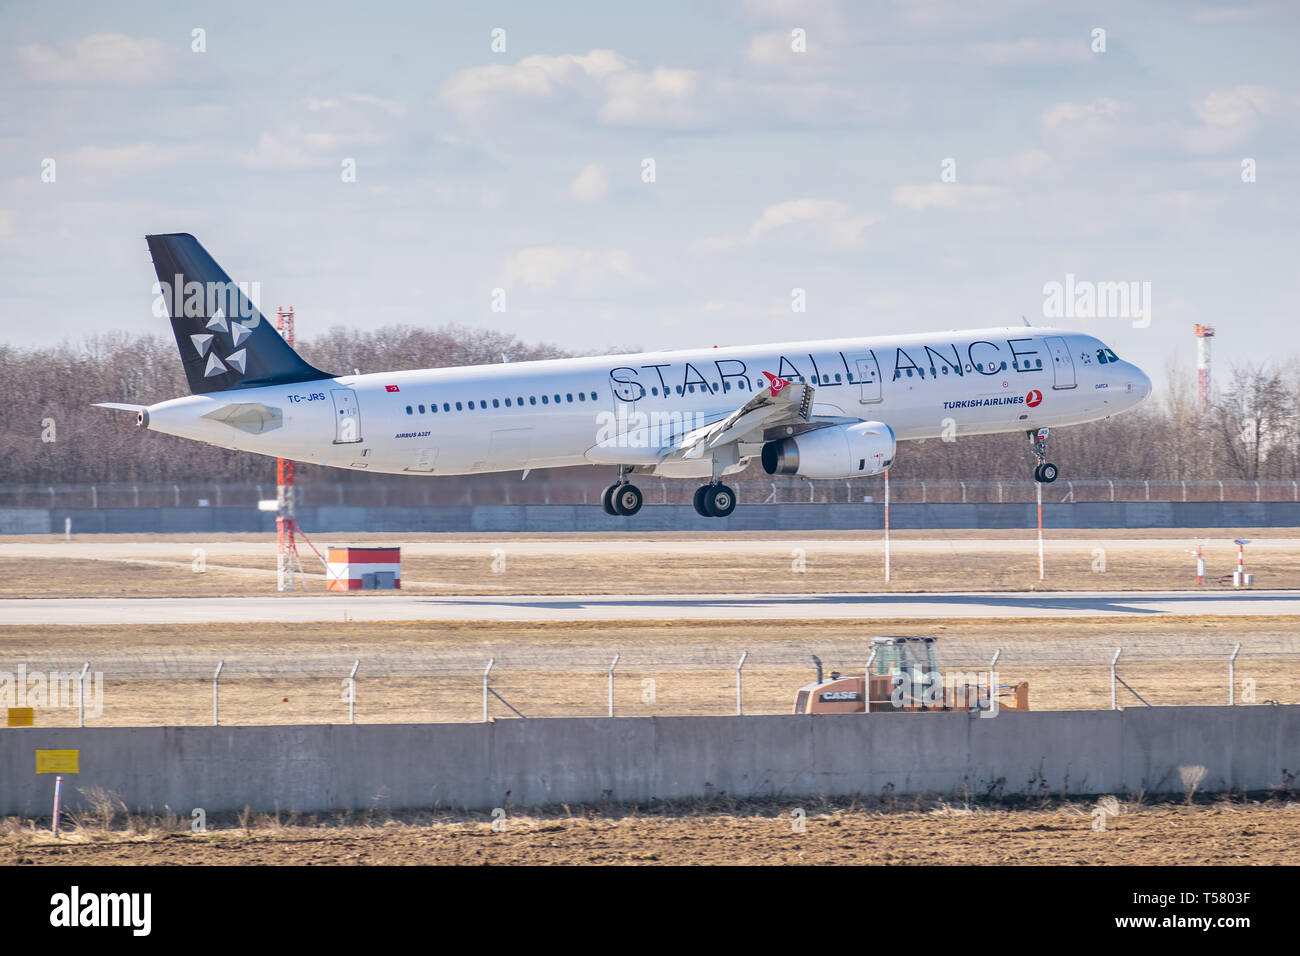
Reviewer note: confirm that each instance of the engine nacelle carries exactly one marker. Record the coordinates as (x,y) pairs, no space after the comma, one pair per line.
(837,451)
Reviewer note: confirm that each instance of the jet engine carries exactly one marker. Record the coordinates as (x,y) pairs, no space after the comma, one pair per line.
(837,451)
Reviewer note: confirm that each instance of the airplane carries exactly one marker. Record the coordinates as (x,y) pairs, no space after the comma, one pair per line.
(832,409)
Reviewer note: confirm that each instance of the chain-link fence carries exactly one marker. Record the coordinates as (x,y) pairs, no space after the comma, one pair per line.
(585,485)
(466,684)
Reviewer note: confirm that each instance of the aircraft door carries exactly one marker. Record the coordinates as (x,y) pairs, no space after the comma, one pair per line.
(347,416)
(868,379)
(1062,362)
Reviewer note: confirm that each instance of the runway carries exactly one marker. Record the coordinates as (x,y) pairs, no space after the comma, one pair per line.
(613,607)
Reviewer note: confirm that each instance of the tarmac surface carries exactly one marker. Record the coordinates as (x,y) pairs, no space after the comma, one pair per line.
(615,607)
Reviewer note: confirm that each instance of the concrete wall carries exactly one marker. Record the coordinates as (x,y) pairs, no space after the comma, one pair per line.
(576,760)
(331,519)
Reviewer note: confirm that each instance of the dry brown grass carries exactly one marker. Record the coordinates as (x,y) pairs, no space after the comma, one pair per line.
(722,831)
(416,672)
(831,562)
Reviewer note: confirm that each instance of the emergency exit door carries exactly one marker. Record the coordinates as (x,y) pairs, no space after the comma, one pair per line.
(1062,363)
(868,379)
(347,416)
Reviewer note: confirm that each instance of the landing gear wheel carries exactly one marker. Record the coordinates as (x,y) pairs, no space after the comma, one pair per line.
(1046,472)
(607,500)
(719,500)
(700,509)
(626,500)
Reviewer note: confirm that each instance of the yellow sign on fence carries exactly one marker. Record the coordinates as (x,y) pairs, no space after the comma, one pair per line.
(58,761)
(22,716)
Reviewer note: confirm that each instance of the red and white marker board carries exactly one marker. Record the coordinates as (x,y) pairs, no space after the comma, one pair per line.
(363,569)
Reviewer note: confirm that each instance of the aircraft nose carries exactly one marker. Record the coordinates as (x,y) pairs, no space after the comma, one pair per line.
(1141,383)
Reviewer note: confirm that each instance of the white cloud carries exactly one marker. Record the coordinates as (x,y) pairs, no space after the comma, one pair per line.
(391,107)
(478,92)
(97,162)
(604,87)
(711,245)
(1032,165)
(102,59)
(1082,128)
(772,49)
(579,270)
(832,221)
(275,152)
(591,184)
(1031,50)
(942,195)
(1229,116)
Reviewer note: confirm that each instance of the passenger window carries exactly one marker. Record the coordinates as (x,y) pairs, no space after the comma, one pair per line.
(434,408)
(582,396)
(496,403)
(408,409)
(568,396)
(507,403)
(458,407)
(557,399)
(446,407)
(544,400)
(593,396)
(421,408)
(532,399)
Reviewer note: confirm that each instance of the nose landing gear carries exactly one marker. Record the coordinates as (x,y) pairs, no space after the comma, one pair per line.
(1045,472)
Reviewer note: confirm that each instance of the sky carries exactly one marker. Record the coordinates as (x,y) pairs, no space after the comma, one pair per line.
(664,175)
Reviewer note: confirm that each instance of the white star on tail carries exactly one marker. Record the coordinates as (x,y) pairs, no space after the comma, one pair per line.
(239,332)
(215,366)
(238,360)
(218,322)
(201,344)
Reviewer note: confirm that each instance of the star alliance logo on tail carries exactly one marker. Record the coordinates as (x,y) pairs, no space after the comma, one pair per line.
(237,360)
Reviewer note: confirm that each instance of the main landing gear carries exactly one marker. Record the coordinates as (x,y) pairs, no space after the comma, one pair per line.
(622,497)
(1046,472)
(714,501)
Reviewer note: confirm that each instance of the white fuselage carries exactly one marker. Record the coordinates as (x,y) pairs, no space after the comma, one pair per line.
(508,417)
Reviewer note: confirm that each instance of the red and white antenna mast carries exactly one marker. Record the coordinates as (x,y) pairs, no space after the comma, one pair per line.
(287,563)
(1203,335)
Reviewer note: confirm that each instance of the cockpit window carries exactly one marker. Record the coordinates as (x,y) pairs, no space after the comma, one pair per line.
(1105,355)
(1111,355)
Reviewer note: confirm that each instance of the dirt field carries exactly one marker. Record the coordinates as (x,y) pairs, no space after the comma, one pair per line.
(911,832)
(414,672)
(232,565)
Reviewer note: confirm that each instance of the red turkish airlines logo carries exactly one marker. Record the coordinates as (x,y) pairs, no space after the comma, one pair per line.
(1034,398)
(392,388)
(777,383)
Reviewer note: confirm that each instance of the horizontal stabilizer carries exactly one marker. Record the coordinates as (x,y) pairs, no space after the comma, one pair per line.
(121,406)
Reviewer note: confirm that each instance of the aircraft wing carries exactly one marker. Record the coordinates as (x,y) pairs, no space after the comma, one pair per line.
(782,403)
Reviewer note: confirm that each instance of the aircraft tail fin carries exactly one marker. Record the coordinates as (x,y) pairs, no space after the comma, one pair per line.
(225,343)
